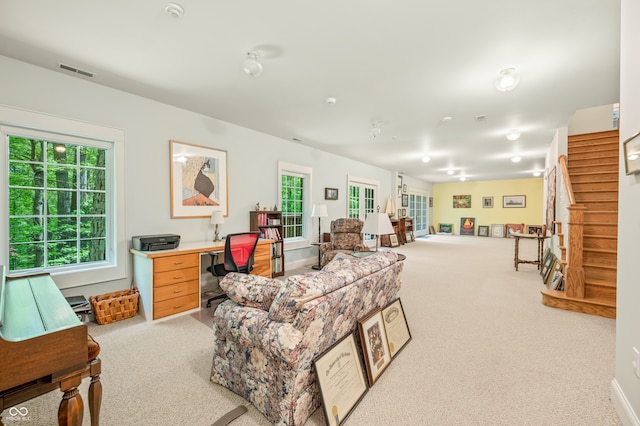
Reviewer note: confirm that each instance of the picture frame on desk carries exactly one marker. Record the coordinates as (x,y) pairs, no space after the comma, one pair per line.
(198,180)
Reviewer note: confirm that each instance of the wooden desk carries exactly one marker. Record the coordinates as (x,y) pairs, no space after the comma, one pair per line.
(169,280)
(539,238)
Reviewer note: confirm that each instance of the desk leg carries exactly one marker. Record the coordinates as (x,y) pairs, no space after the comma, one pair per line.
(515,259)
(71,407)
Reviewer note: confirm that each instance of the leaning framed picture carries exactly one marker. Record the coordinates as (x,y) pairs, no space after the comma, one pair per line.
(396,327)
(497,230)
(198,180)
(341,379)
(373,341)
(393,240)
(514,201)
(483,231)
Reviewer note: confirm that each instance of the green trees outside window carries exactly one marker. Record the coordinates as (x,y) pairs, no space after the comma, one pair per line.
(57,204)
(292,197)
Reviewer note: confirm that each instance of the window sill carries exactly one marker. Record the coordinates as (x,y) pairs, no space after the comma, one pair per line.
(296,243)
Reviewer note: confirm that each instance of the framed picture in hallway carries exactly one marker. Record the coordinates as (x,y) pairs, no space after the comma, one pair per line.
(497,230)
(514,201)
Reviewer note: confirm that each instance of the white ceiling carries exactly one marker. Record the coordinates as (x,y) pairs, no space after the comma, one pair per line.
(403,64)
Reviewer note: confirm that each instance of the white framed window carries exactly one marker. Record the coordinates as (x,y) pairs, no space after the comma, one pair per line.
(418,210)
(63,198)
(363,198)
(294,189)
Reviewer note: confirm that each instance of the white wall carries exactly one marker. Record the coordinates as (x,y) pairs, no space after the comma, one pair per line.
(591,120)
(626,386)
(149,125)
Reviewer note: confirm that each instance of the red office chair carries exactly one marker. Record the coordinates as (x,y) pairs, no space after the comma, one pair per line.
(238,257)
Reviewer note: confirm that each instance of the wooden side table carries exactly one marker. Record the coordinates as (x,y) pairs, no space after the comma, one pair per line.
(539,238)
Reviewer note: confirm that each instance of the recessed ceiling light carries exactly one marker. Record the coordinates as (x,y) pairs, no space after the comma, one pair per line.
(536,174)
(426,159)
(450,172)
(462,178)
(331,101)
(446,119)
(513,134)
(174,9)
(508,80)
(516,159)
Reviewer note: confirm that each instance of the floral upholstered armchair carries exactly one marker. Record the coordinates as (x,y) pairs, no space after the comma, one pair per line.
(346,237)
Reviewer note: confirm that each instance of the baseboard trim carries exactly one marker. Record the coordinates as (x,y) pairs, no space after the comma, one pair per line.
(622,406)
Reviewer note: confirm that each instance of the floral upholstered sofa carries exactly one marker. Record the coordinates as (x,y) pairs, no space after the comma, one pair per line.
(269,331)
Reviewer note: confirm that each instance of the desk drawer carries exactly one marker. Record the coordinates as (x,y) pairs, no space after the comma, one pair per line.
(175,290)
(176,305)
(177,276)
(171,263)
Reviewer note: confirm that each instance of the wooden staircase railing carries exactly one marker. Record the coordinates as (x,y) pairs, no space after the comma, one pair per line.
(574,271)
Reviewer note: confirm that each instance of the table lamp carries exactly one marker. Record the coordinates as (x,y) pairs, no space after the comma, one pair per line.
(217,219)
(377,224)
(319,211)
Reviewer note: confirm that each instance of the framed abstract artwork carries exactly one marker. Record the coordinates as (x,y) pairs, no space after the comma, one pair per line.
(198,180)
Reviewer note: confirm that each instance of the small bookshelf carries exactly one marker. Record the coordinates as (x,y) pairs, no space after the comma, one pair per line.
(269,224)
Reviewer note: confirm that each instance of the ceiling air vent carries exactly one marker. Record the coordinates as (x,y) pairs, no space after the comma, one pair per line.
(76,70)
(481,118)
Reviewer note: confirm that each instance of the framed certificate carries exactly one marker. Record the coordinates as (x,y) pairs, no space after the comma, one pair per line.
(396,327)
(341,379)
(373,340)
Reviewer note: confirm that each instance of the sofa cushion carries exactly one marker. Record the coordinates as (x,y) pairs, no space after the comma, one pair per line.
(299,289)
(250,290)
(377,261)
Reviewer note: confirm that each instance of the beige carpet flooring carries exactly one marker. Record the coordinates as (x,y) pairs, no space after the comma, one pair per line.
(484,351)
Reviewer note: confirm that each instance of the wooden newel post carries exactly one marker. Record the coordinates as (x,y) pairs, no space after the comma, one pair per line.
(574,284)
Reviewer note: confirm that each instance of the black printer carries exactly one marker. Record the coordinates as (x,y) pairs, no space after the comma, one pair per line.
(155,242)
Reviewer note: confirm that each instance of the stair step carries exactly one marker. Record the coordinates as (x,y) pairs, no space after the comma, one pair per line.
(609,176)
(600,205)
(599,259)
(594,138)
(593,216)
(599,243)
(586,195)
(593,306)
(604,185)
(605,292)
(600,228)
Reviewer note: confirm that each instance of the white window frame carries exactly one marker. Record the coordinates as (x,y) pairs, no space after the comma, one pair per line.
(19,122)
(359,181)
(285,168)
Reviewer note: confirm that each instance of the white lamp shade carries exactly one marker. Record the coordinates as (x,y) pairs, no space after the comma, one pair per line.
(217,218)
(378,224)
(390,207)
(319,210)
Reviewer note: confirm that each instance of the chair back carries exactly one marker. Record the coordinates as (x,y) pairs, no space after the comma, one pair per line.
(239,250)
(346,233)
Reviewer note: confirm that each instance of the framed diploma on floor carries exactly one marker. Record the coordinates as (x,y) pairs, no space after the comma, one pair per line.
(396,327)
(341,379)
(373,340)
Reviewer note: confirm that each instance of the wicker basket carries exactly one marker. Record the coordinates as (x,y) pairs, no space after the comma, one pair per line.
(116,306)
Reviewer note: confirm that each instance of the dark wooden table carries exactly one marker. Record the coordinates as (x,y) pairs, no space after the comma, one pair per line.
(540,240)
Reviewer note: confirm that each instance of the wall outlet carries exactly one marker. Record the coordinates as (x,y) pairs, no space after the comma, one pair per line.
(636,362)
